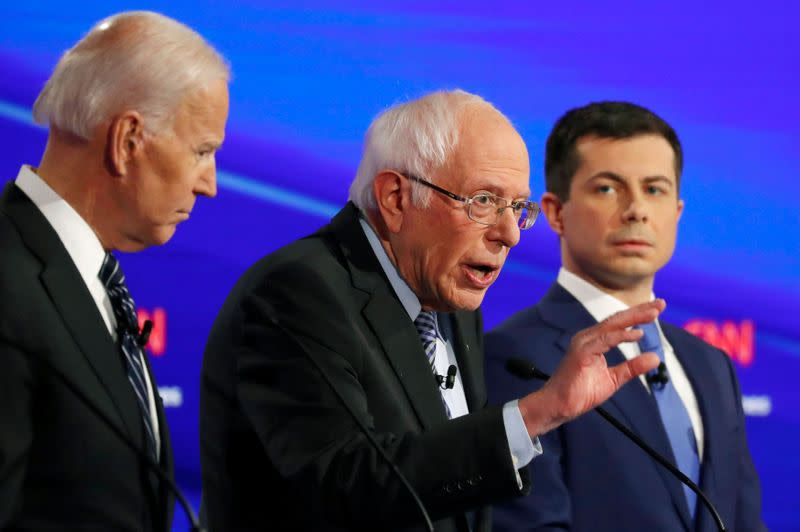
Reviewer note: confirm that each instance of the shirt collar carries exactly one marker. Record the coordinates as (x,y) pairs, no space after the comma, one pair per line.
(78,238)
(407,297)
(598,303)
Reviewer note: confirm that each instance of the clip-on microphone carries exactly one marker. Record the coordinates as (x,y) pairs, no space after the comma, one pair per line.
(144,335)
(447,382)
(660,378)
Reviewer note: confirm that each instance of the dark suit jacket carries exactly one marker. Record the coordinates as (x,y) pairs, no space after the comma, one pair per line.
(61,467)
(278,450)
(590,477)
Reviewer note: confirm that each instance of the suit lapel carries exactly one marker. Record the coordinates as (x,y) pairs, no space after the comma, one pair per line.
(402,347)
(467,350)
(77,309)
(632,404)
(82,318)
(389,321)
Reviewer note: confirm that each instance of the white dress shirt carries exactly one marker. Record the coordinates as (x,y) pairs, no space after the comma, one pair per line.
(601,305)
(85,250)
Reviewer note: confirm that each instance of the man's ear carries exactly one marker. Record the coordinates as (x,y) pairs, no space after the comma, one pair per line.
(552,208)
(125,141)
(393,197)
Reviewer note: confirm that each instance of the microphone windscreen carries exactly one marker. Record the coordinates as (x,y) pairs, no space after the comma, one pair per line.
(521,368)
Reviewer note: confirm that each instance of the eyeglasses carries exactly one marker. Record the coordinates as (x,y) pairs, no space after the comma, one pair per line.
(487,208)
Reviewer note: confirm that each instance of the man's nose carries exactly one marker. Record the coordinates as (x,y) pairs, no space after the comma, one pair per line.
(506,230)
(207,183)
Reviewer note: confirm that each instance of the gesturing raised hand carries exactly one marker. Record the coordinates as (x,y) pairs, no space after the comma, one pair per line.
(584,380)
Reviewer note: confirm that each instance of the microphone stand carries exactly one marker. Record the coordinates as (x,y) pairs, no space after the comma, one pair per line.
(525,370)
(364,429)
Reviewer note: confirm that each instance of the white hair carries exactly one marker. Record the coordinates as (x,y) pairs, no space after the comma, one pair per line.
(136,60)
(416,138)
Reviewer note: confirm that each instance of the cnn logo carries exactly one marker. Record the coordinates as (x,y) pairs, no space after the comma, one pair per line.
(736,339)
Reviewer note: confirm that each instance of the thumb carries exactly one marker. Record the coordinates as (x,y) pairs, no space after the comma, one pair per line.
(622,373)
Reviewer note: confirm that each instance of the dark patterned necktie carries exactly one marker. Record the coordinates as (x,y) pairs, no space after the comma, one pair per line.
(428,330)
(128,338)
(674,416)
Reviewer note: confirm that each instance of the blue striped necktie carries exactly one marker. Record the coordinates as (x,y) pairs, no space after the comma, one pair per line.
(675,417)
(428,329)
(127,334)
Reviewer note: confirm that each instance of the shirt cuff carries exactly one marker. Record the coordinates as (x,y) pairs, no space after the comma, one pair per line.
(523,449)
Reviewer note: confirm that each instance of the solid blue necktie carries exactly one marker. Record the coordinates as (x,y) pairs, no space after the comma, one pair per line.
(428,329)
(675,417)
(127,333)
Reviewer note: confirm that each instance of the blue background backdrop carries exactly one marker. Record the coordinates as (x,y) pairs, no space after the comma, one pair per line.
(307,82)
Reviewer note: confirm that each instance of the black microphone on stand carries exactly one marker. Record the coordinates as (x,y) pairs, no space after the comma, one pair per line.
(526,370)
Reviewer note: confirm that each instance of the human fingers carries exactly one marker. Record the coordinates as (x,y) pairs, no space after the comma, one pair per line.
(597,341)
(625,371)
(637,315)
(616,328)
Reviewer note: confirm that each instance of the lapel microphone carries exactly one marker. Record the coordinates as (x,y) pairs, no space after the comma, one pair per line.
(447,382)
(519,367)
(144,335)
(141,336)
(660,378)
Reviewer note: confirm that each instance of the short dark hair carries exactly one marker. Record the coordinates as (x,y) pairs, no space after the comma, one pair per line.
(615,120)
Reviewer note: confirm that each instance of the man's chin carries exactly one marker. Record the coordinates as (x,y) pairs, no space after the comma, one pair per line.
(134,243)
(164,235)
(467,300)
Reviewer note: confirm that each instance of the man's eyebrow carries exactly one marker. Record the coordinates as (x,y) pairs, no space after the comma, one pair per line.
(620,179)
(607,175)
(496,191)
(213,144)
(660,179)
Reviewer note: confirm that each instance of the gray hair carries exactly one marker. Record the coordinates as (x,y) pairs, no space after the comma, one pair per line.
(417,138)
(136,60)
